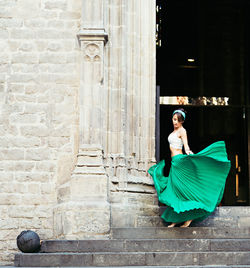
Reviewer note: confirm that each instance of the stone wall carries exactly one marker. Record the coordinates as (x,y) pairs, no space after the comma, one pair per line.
(39,83)
(77,85)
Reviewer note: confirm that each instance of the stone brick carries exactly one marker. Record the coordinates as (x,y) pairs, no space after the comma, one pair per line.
(6,176)
(70,15)
(10,22)
(6,12)
(5,68)
(35,89)
(15,88)
(4,58)
(21,34)
(34,188)
(58,142)
(12,154)
(23,119)
(47,188)
(35,23)
(48,14)
(24,58)
(58,24)
(36,108)
(52,58)
(24,142)
(21,10)
(9,199)
(38,131)
(24,166)
(38,154)
(4,34)
(53,46)
(26,47)
(61,5)
(46,166)
(23,78)
(33,176)
(7,3)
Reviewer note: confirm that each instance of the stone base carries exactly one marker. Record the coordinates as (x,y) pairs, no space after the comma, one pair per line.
(81,220)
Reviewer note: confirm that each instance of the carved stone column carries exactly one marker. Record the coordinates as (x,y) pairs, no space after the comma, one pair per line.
(84,210)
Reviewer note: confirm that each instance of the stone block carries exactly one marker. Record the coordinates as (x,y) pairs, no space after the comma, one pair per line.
(119,259)
(24,142)
(84,160)
(35,23)
(26,57)
(54,260)
(83,186)
(38,154)
(23,78)
(58,24)
(69,15)
(33,176)
(9,199)
(58,5)
(55,46)
(46,166)
(244,221)
(78,220)
(15,88)
(23,119)
(172,258)
(25,47)
(12,154)
(4,34)
(21,34)
(38,131)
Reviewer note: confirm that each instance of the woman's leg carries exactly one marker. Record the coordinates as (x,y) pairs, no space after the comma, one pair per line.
(186,223)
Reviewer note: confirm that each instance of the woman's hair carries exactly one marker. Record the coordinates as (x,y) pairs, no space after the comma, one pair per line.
(180,116)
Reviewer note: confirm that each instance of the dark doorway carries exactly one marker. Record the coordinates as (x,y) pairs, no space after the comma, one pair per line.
(203,56)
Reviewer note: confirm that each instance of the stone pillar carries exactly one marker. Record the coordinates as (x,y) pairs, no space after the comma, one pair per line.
(131,112)
(84,210)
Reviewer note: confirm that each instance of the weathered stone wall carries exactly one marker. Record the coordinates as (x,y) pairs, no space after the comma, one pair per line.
(39,83)
(77,118)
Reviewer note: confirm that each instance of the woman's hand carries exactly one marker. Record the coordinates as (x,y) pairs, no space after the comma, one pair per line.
(188,152)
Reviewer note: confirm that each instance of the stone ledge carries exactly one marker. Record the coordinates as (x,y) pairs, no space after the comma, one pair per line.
(93,34)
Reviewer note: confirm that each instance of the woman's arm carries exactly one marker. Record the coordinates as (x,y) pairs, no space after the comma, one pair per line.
(183,135)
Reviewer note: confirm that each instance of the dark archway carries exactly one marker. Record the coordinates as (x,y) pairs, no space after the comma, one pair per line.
(203,54)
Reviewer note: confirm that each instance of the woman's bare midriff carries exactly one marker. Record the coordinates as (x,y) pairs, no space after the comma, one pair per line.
(175,151)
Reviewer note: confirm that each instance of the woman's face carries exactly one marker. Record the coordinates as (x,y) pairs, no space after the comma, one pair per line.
(176,123)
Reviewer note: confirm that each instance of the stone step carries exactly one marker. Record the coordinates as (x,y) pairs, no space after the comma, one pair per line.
(145,245)
(132,259)
(195,266)
(180,233)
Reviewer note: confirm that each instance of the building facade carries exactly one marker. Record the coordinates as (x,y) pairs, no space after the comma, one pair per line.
(77,123)
(80,111)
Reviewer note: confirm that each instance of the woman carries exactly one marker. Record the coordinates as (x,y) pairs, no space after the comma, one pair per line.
(196,182)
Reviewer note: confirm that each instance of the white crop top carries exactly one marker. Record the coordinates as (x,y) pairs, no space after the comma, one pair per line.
(175,141)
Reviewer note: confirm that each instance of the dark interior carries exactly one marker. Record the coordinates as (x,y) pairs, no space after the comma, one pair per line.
(215,34)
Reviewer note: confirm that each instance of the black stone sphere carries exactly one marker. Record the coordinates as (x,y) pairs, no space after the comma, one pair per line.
(28,241)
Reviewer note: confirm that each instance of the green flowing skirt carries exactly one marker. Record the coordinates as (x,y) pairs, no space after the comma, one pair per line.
(195,184)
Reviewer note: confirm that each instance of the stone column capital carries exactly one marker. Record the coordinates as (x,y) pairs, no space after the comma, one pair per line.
(93,34)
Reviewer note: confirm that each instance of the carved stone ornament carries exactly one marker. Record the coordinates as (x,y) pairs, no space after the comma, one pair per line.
(92,52)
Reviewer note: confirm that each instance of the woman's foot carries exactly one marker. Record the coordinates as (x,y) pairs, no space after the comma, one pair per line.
(172,225)
(186,223)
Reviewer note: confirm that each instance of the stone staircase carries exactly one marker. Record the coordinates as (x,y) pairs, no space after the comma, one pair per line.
(216,245)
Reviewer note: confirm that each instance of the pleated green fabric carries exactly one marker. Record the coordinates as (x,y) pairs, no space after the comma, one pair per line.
(195,184)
